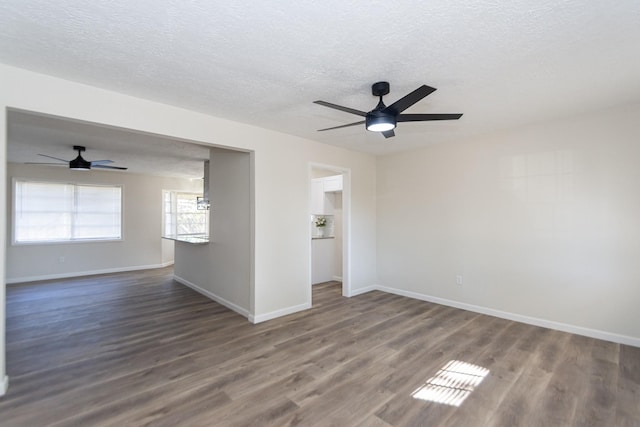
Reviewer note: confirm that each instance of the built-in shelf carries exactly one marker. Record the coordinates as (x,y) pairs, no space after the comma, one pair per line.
(326,231)
(196,239)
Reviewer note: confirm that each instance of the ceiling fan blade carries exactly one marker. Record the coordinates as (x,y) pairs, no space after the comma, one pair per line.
(426,117)
(341,108)
(342,126)
(109,167)
(100,162)
(389,133)
(39,163)
(408,100)
(54,158)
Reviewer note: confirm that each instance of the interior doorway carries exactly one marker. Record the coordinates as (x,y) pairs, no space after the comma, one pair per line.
(329,220)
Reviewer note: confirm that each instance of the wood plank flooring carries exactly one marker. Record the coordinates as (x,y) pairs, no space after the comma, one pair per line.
(138,349)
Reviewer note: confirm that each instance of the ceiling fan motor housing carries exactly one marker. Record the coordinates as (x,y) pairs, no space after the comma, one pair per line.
(79,163)
(377,120)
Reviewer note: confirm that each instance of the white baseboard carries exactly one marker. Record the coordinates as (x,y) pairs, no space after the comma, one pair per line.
(337,278)
(564,327)
(279,313)
(361,291)
(25,279)
(4,385)
(211,295)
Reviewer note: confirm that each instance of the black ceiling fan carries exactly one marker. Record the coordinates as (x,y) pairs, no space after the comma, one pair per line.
(79,163)
(384,118)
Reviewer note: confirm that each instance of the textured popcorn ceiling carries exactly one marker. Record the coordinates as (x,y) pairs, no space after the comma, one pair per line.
(32,134)
(501,63)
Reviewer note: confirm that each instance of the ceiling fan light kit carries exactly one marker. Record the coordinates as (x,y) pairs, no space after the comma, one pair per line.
(384,119)
(380,122)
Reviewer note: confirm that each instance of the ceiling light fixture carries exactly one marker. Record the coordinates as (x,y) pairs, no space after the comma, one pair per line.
(79,164)
(383,119)
(377,121)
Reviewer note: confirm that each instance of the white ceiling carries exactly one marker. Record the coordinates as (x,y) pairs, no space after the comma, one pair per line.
(501,63)
(32,134)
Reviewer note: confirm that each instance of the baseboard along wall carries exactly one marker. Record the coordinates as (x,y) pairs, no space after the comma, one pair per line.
(592,333)
(4,385)
(279,313)
(26,279)
(231,306)
(535,321)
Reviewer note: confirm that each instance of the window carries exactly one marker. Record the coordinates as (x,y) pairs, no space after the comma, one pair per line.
(182,216)
(56,212)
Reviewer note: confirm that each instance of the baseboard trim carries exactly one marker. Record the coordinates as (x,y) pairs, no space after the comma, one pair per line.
(279,313)
(360,291)
(4,385)
(11,281)
(231,306)
(535,321)
(337,278)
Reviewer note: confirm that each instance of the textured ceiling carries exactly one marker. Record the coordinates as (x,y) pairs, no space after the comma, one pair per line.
(500,63)
(32,134)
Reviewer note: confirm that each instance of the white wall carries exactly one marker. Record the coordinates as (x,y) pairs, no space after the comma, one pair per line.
(221,269)
(543,223)
(338,239)
(141,246)
(4,379)
(168,251)
(281,243)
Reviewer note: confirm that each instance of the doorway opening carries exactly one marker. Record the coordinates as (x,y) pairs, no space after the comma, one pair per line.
(329,221)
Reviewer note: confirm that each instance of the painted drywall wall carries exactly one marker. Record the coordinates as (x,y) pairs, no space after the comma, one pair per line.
(141,246)
(281,275)
(338,236)
(222,268)
(4,379)
(541,222)
(168,251)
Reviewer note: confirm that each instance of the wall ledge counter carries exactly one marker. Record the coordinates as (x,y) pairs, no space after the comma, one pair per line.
(195,239)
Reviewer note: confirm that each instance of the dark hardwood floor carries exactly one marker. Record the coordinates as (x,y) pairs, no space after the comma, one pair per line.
(135,349)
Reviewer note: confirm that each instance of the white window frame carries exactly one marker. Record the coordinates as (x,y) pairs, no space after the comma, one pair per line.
(174,232)
(14,242)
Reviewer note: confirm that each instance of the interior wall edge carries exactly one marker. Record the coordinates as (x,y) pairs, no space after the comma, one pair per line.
(535,321)
(279,313)
(25,279)
(361,291)
(4,386)
(231,306)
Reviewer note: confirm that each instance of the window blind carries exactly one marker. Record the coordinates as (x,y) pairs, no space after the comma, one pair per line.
(52,212)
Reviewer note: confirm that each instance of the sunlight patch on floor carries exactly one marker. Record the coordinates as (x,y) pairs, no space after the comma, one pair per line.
(452,384)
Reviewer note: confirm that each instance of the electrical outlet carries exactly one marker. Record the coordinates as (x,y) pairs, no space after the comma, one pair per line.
(61,259)
(459,280)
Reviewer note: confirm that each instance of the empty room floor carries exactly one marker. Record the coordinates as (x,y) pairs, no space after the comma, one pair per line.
(139,349)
